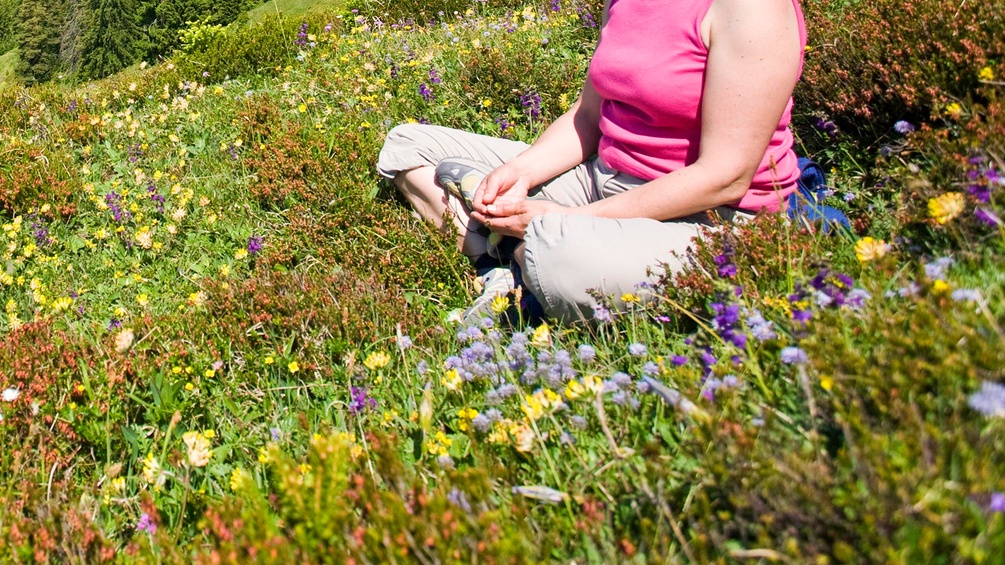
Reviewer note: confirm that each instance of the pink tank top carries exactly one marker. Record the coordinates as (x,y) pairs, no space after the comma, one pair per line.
(649,69)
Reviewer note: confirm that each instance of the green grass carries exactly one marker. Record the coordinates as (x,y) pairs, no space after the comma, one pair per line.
(291,8)
(8,64)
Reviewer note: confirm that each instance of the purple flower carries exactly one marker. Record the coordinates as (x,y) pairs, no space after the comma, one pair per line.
(302,36)
(255,244)
(275,434)
(678,360)
(902,127)
(425,92)
(531,103)
(404,342)
(997,502)
(434,77)
(145,524)
(359,401)
(966,295)
(987,217)
(990,400)
(637,350)
(586,353)
(651,369)
(793,356)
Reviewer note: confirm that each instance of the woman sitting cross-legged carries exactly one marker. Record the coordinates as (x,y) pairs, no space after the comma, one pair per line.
(685,110)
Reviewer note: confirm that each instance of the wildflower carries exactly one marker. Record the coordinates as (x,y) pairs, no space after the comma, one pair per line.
(377,360)
(541,336)
(869,249)
(359,400)
(990,400)
(988,217)
(629,298)
(953,110)
(946,207)
(198,448)
(10,394)
(241,254)
(451,379)
(793,356)
(500,304)
(586,353)
(997,503)
(124,340)
(532,407)
(145,524)
(937,269)
(240,480)
(255,244)
(293,366)
(523,437)
(198,298)
(966,295)
(903,127)
(986,74)
(153,473)
(404,342)
(637,350)
(263,455)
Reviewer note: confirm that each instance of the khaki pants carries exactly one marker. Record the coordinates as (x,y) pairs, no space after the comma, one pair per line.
(567,256)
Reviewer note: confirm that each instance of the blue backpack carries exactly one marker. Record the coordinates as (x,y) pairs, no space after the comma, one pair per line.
(806,203)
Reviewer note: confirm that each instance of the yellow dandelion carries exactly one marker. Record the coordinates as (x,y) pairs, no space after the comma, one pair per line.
(293,366)
(941,287)
(946,207)
(269,359)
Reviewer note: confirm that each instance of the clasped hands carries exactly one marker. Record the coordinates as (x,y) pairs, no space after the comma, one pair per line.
(501,203)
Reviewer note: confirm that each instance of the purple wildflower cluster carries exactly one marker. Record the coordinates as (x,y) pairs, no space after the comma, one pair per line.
(826,126)
(531,103)
(114,201)
(146,524)
(426,92)
(360,401)
(157,198)
(302,36)
(41,231)
(586,17)
(984,181)
(725,267)
(827,290)
(255,244)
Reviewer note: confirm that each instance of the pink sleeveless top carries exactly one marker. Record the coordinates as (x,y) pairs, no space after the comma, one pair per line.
(649,69)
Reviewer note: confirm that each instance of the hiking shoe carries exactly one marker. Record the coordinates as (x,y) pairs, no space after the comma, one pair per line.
(461,177)
(497,282)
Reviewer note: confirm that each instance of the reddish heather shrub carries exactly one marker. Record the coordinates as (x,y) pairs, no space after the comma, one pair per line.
(870,64)
(32,178)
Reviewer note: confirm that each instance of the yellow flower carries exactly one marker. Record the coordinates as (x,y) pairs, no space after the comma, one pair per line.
(451,379)
(263,455)
(304,468)
(953,110)
(940,287)
(541,336)
(869,249)
(523,437)
(377,360)
(208,373)
(198,298)
(269,360)
(143,300)
(153,473)
(240,480)
(198,448)
(986,74)
(532,407)
(61,304)
(946,207)
(629,298)
(826,382)
(293,366)
(241,254)
(500,303)
(574,390)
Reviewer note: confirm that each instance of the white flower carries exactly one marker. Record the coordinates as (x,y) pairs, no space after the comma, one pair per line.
(124,340)
(11,394)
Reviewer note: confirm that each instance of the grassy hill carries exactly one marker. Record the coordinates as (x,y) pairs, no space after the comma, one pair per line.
(292,8)
(226,339)
(8,64)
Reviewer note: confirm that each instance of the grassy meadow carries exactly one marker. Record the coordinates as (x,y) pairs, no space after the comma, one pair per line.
(226,339)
